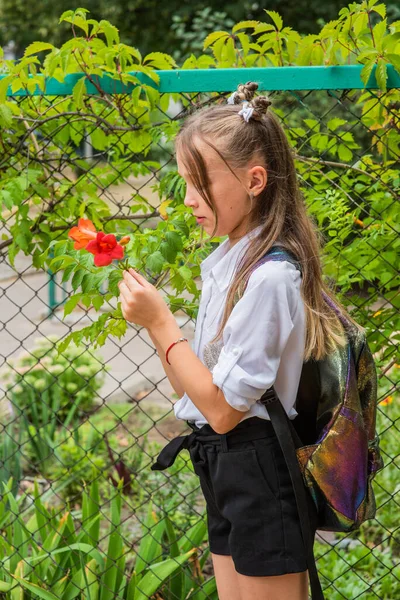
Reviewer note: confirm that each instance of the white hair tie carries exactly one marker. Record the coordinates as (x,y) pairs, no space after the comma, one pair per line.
(246,111)
(231,99)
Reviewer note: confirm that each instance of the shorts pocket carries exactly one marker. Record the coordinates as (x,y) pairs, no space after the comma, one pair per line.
(265,460)
(248,472)
(202,473)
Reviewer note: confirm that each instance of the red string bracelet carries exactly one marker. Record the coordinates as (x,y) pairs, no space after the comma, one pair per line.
(182,339)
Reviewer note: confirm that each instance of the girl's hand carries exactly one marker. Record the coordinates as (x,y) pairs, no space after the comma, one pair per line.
(141,302)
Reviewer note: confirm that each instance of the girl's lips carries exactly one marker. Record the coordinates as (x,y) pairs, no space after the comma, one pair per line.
(200,219)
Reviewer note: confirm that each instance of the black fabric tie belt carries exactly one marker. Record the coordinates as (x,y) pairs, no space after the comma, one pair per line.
(252,428)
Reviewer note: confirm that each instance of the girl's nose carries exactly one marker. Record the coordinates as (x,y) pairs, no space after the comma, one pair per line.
(189,202)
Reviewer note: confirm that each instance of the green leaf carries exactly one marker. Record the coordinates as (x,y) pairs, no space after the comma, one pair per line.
(244,25)
(381,74)
(99,139)
(153,96)
(150,548)
(86,300)
(172,538)
(88,282)
(245,41)
(366,71)
(168,251)
(304,57)
(213,37)
(92,583)
(110,32)
(79,21)
(78,91)
(159,60)
(65,55)
(59,247)
(229,51)
(77,278)
(65,261)
(317,55)
(344,153)
(185,272)
(394,59)
(276,17)
(5,116)
(37,47)
(4,83)
(218,47)
(174,239)
(114,551)
(17,593)
(66,14)
(22,240)
(360,23)
(113,278)
(312,124)
(158,573)
(35,589)
(320,142)
(81,547)
(67,273)
(182,226)
(368,53)
(379,31)
(155,262)
(7,199)
(208,589)
(263,27)
(97,302)
(90,524)
(333,124)
(380,9)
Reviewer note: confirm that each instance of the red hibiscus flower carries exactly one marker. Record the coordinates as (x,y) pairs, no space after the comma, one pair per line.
(83,233)
(105,249)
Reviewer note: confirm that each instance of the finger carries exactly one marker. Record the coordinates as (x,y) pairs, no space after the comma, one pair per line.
(126,294)
(139,277)
(130,282)
(124,309)
(124,289)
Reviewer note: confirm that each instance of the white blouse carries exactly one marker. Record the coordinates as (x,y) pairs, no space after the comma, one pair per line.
(263,339)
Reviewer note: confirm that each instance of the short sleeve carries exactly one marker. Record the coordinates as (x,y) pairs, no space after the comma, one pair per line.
(256,334)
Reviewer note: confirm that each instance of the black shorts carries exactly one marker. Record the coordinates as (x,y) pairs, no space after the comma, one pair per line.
(251,508)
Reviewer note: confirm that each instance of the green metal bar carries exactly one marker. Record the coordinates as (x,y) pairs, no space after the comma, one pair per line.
(52,302)
(225,80)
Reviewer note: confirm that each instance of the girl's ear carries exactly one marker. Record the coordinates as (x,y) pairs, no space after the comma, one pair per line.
(257,179)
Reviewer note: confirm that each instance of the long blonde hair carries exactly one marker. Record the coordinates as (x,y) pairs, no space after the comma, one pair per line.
(280,208)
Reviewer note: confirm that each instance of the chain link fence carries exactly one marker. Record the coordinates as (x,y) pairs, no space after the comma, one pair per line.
(81,513)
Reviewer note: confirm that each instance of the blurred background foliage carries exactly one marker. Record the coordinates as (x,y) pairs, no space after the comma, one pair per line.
(177,27)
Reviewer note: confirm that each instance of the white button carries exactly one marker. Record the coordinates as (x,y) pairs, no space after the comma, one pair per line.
(236,351)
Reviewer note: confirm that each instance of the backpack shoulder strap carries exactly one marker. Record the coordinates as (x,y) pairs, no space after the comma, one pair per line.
(280,253)
(289,441)
(275,253)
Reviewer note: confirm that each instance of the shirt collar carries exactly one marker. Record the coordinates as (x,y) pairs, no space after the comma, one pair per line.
(222,262)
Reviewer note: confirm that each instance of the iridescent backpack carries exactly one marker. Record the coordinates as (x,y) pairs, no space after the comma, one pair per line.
(332,447)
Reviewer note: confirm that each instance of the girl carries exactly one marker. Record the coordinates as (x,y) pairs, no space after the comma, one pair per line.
(241,183)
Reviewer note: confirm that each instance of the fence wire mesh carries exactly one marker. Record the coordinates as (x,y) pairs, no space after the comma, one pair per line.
(81,513)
